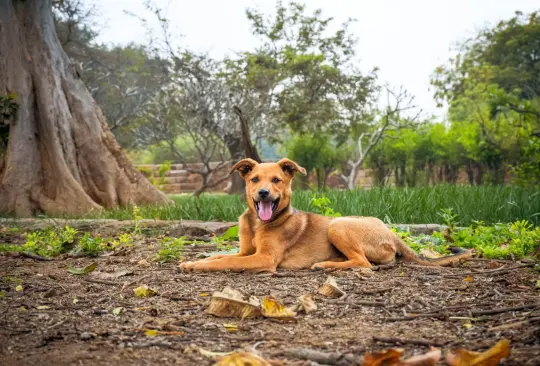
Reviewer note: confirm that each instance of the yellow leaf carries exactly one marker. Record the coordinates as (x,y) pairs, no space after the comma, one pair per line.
(144,291)
(231,327)
(117,311)
(468,278)
(273,308)
(390,357)
(242,359)
(467,325)
(491,357)
(75,299)
(19,288)
(204,294)
(151,333)
(22,308)
(42,307)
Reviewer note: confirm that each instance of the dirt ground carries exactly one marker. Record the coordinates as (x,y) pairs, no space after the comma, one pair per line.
(58,318)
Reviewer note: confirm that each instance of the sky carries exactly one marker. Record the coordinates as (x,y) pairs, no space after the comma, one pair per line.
(405,39)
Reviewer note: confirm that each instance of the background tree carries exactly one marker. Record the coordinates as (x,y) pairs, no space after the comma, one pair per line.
(61,156)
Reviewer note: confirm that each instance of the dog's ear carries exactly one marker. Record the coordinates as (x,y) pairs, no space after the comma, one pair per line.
(243,167)
(290,167)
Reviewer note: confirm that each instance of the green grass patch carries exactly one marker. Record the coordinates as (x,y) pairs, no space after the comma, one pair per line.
(490,204)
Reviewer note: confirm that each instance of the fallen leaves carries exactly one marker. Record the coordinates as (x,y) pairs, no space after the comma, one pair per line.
(232,303)
(330,288)
(491,357)
(468,278)
(118,310)
(306,304)
(461,357)
(273,308)
(155,333)
(242,359)
(84,270)
(144,291)
(392,357)
(19,288)
(113,275)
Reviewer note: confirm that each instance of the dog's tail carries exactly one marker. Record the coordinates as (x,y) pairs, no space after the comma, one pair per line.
(409,255)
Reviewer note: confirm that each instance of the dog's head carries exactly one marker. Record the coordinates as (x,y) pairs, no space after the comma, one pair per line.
(268,185)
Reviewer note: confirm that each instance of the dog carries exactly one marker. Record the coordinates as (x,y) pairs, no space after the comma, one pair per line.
(275,235)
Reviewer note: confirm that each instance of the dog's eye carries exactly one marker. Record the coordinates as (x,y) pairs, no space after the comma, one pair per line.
(276,180)
(255,180)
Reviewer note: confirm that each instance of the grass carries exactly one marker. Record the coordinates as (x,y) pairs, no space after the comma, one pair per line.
(490,204)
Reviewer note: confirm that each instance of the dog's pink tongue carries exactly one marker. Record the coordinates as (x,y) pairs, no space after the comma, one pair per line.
(265,210)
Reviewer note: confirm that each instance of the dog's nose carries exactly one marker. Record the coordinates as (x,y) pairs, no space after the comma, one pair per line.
(263,193)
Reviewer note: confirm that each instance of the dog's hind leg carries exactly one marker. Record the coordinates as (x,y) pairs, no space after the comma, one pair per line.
(345,240)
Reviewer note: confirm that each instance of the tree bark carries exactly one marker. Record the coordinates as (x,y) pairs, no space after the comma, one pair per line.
(61,156)
(235,145)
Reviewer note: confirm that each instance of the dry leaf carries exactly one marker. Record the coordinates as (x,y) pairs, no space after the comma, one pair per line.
(204,294)
(75,300)
(494,265)
(330,288)
(307,304)
(84,270)
(430,253)
(143,263)
(428,359)
(144,291)
(231,327)
(273,308)
(242,359)
(211,354)
(491,357)
(117,311)
(468,278)
(112,276)
(42,307)
(231,303)
(19,288)
(386,358)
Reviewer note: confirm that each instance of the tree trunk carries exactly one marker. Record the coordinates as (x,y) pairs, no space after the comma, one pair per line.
(61,156)
(235,145)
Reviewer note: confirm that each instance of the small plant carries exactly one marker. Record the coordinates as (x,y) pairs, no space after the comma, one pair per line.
(50,242)
(136,212)
(223,242)
(171,249)
(322,204)
(91,245)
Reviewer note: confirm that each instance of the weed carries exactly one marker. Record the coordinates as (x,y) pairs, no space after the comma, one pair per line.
(171,249)
(50,242)
(322,204)
(90,245)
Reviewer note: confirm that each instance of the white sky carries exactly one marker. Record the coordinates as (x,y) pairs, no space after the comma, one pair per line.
(406,39)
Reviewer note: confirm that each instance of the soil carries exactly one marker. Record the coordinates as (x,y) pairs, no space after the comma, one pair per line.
(63,319)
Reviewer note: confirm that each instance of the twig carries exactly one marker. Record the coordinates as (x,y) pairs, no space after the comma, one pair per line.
(32,256)
(293,274)
(103,282)
(419,342)
(502,310)
(376,291)
(513,325)
(325,358)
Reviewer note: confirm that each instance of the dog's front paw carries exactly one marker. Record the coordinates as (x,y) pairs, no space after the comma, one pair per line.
(187,266)
(318,267)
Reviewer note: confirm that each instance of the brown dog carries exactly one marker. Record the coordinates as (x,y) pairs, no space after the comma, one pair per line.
(273,234)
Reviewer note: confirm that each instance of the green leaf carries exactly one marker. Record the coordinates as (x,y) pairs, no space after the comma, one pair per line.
(231,233)
(19,288)
(84,270)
